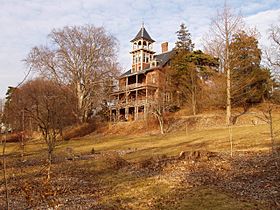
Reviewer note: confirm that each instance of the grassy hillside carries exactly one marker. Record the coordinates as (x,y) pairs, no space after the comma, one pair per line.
(144,171)
(245,138)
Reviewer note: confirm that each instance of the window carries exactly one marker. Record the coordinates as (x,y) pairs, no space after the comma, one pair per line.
(168,97)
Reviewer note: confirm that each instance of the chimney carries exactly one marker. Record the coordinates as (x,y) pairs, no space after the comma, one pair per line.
(164,47)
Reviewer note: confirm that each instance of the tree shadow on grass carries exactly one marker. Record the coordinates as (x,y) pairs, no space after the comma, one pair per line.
(248,180)
(86,184)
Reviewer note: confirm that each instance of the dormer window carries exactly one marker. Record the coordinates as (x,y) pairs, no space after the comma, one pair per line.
(154,64)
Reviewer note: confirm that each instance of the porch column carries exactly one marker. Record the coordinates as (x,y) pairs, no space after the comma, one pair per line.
(126,113)
(136,113)
(126,89)
(117,114)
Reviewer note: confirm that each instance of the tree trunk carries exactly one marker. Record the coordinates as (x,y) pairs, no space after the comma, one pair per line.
(230,140)
(22,138)
(228,116)
(49,165)
(228,71)
(5,171)
(271,131)
(161,125)
(80,97)
(193,88)
(193,104)
(159,116)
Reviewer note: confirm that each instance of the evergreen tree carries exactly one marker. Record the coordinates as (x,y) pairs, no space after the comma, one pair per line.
(250,82)
(188,73)
(184,39)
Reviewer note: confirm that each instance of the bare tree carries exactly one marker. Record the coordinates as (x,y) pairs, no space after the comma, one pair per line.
(217,43)
(82,57)
(158,111)
(5,168)
(273,52)
(267,117)
(50,105)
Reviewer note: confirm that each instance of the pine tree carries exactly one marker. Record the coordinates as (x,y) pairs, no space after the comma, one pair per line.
(250,82)
(184,39)
(188,73)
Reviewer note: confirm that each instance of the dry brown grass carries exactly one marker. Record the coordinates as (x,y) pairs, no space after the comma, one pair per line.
(78,131)
(140,127)
(124,172)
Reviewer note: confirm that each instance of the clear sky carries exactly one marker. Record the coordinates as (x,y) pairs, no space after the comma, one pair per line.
(26,23)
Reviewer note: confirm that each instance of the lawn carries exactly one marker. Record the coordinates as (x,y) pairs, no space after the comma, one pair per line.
(142,172)
(245,138)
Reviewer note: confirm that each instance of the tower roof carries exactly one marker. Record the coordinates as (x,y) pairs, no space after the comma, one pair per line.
(142,34)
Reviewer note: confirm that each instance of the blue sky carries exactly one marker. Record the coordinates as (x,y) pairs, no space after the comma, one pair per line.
(26,23)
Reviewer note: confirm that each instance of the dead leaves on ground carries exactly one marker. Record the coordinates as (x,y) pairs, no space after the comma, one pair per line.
(84,182)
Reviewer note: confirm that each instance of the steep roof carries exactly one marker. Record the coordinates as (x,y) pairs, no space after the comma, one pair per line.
(142,34)
(163,58)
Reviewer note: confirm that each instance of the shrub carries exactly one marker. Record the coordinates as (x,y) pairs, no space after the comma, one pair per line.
(16,136)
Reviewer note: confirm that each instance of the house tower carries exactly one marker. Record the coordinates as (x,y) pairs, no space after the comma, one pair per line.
(142,50)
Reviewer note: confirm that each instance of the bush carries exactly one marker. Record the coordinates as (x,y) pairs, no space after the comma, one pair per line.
(114,161)
(16,136)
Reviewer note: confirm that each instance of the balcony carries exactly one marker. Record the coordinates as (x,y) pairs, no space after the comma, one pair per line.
(144,47)
(136,85)
(130,102)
